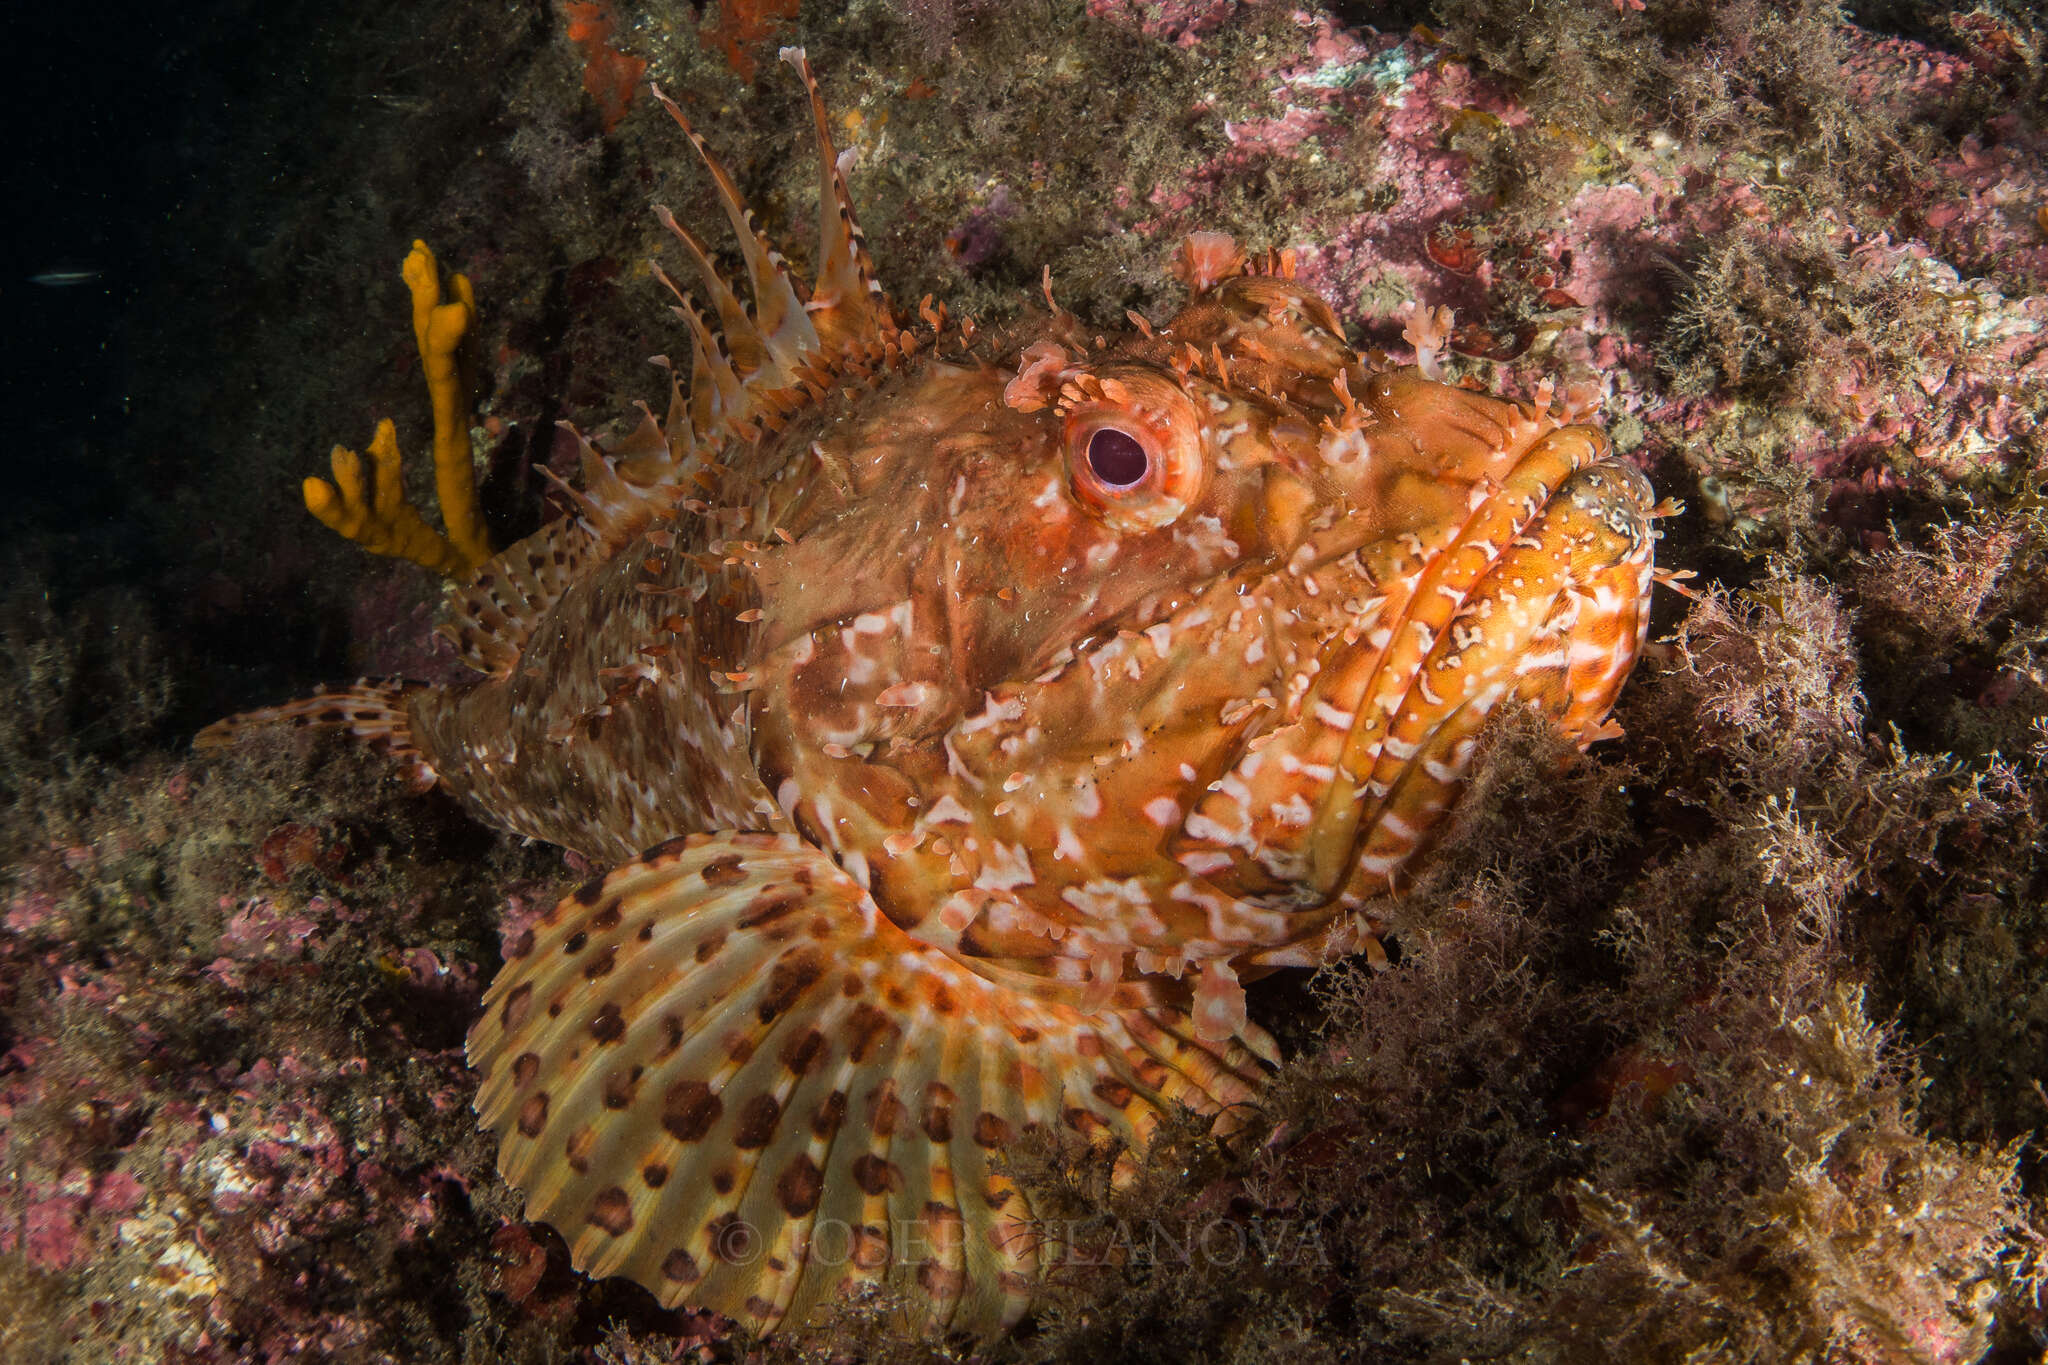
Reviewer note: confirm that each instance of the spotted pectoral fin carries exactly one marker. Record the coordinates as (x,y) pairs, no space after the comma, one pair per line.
(497,610)
(721,1072)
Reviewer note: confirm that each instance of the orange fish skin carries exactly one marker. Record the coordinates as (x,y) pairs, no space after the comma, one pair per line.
(1007,714)
(1087,767)
(988,708)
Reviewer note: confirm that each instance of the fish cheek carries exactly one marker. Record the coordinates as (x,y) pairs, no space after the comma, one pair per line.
(1288,504)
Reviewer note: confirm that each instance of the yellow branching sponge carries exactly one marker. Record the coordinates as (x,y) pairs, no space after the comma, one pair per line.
(376,515)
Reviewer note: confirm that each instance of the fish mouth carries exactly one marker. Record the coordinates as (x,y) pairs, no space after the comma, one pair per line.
(1538,593)
(1541,596)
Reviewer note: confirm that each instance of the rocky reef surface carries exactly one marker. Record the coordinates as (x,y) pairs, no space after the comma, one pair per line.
(1725,1042)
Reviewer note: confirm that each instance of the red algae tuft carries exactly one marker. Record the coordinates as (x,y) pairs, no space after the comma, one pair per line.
(610,76)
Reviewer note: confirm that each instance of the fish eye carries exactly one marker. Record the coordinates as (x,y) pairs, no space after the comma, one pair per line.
(1118,458)
(1135,456)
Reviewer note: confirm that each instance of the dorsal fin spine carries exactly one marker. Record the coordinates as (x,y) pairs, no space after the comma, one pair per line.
(717,394)
(847,304)
(677,428)
(779,318)
(754,361)
(748,378)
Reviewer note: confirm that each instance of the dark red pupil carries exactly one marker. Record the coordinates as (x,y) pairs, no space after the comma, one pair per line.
(1117,458)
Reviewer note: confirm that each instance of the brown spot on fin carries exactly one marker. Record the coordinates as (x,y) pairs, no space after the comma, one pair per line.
(621,493)
(825,1098)
(495,613)
(375,712)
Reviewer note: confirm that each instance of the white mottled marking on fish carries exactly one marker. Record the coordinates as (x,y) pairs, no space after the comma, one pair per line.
(1163,811)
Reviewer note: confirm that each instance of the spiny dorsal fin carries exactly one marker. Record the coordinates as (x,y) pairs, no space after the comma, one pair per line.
(722,1072)
(717,394)
(677,429)
(752,360)
(847,306)
(779,317)
(747,376)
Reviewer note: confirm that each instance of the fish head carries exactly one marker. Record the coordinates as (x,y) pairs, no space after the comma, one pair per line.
(1172,649)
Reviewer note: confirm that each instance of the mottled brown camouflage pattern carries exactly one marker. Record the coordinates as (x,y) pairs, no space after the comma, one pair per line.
(981,754)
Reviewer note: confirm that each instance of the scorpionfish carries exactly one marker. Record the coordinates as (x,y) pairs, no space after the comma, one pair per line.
(967,718)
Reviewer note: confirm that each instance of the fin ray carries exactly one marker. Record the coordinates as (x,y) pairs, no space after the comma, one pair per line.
(374,712)
(726,1039)
(847,306)
(780,323)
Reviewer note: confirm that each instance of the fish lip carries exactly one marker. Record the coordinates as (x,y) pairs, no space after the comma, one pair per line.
(1608,489)
(1332,543)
